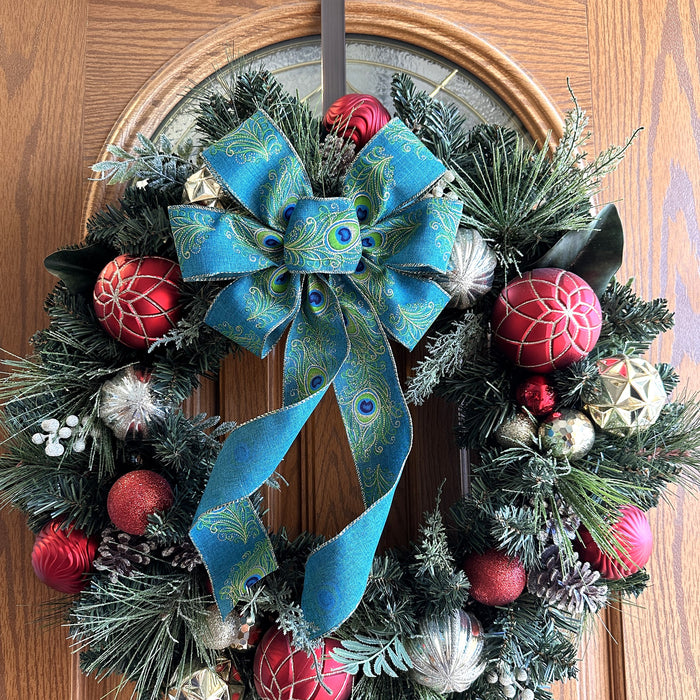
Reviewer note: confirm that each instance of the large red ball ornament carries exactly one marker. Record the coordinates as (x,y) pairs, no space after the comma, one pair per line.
(633,533)
(137,300)
(495,578)
(135,496)
(62,559)
(358,117)
(281,673)
(537,394)
(546,319)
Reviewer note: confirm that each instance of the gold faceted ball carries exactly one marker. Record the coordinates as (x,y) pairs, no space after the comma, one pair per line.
(627,396)
(203,684)
(202,188)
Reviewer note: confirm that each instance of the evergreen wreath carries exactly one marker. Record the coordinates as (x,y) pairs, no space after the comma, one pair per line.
(109,470)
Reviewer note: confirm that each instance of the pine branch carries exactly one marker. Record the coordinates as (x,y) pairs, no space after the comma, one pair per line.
(445,354)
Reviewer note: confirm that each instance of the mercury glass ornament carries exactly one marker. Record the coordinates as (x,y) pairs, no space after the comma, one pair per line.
(203,684)
(201,188)
(235,631)
(627,396)
(446,655)
(470,270)
(516,432)
(128,404)
(567,433)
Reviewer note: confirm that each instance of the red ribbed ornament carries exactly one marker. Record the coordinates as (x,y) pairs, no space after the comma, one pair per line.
(546,319)
(137,300)
(495,578)
(358,117)
(280,673)
(62,559)
(633,532)
(135,496)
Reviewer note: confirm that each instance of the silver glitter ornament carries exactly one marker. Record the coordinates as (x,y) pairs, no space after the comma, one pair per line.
(446,656)
(567,433)
(127,403)
(470,270)
(235,631)
(628,395)
(516,432)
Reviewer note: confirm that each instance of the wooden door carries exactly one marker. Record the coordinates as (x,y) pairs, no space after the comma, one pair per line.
(70,69)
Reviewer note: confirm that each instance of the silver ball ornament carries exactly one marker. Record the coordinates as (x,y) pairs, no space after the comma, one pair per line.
(470,270)
(516,432)
(234,631)
(446,655)
(567,433)
(128,404)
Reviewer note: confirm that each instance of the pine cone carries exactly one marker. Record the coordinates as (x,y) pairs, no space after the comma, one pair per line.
(184,555)
(565,524)
(119,552)
(336,155)
(575,591)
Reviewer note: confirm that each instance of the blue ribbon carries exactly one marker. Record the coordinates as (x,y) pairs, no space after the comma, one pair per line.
(338,272)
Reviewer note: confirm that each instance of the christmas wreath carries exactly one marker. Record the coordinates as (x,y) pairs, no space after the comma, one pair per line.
(334,234)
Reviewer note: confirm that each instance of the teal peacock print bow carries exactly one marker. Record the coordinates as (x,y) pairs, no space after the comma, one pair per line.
(338,272)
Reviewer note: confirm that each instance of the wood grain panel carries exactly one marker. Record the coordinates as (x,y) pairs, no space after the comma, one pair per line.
(41,93)
(653,80)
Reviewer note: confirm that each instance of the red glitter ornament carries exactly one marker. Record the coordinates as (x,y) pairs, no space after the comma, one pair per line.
(280,673)
(135,496)
(537,395)
(546,319)
(62,559)
(137,300)
(358,117)
(633,533)
(495,578)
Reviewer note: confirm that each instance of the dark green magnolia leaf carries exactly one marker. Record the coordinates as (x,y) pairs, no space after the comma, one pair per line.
(79,267)
(594,253)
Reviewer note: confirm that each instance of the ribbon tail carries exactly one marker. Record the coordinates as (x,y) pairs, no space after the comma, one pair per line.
(379,430)
(227,529)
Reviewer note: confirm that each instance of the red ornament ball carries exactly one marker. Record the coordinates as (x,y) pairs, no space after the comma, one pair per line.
(137,300)
(135,496)
(62,559)
(496,578)
(633,533)
(546,319)
(358,117)
(281,673)
(537,394)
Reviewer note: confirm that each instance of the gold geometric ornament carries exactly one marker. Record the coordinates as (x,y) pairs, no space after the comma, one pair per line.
(627,396)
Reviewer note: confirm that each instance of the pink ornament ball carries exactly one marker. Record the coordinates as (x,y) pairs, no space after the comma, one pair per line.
(546,319)
(357,117)
(135,496)
(633,533)
(137,300)
(282,673)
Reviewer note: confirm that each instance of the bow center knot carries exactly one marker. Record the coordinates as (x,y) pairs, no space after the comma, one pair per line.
(323,235)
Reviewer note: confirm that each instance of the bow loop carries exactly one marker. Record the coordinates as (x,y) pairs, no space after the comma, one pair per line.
(259,168)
